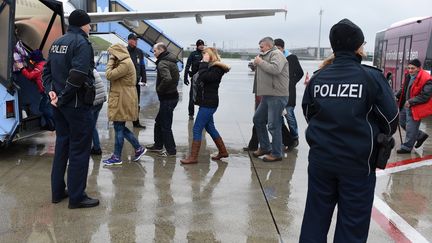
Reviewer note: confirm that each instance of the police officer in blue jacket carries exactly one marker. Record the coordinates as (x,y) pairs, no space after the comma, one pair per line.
(346,106)
(68,78)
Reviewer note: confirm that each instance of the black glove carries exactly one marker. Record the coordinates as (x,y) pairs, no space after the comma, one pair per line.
(186,81)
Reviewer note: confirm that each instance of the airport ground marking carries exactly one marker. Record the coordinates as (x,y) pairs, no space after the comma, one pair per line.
(405,165)
(397,228)
(409,234)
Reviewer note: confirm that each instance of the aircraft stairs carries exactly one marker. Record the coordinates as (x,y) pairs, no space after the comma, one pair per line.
(147,32)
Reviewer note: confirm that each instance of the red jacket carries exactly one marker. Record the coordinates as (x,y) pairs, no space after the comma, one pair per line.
(422,110)
(35,75)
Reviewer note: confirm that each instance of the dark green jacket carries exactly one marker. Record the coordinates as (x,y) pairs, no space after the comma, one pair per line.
(167,76)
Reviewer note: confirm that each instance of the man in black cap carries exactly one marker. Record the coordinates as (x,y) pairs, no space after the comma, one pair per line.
(191,68)
(137,56)
(295,74)
(68,80)
(415,103)
(347,105)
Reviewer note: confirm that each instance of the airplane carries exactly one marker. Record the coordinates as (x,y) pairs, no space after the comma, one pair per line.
(28,7)
(38,23)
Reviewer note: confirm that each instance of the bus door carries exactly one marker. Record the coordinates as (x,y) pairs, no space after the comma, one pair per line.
(7,13)
(381,54)
(403,56)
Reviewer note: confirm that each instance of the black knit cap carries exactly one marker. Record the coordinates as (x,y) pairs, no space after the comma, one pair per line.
(79,18)
(415,62)
(346,36)
(199,42)
(132,36)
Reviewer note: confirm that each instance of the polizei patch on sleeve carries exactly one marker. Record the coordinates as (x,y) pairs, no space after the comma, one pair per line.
(338,90)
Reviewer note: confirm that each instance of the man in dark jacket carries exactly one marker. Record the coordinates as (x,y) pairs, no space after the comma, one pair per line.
(67,75)
(346,106)
(295,74)
(191,68)
(415,103)
(137,56)
(166,89)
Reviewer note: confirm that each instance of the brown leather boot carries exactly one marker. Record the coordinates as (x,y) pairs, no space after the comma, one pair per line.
(223,153)
(193,157)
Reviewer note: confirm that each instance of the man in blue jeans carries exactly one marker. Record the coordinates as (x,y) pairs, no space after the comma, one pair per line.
(166,88)
(272,79)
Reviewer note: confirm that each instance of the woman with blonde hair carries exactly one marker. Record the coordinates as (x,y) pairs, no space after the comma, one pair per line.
(210,73)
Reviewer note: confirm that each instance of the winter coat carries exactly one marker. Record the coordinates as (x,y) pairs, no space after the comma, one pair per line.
(346,106)
(295,74)
(100,96)
(167,76)
(193,63)
(123,98)
(69,68)
(35,75)
(272,75)
(137,56)
(420,95)
(209,75)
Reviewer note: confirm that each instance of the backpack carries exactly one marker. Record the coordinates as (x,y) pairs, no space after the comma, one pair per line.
(197,88)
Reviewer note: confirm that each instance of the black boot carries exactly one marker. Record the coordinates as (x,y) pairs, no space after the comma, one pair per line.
(137,124)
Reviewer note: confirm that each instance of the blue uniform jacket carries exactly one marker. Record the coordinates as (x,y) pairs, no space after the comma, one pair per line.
(70,64)
(346,105)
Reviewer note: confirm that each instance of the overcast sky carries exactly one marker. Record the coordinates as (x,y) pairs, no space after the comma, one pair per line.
(300,29)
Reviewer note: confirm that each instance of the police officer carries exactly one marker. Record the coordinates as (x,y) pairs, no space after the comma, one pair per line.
(137,56)
(68,77)
(346,106)
(192,66)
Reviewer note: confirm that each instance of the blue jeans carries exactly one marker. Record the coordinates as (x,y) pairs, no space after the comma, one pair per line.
(269,112)
(205,120)
(163,135)
(292,122)
(95,112)
(122,132)
(411,127)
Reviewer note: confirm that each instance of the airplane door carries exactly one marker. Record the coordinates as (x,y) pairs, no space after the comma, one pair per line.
(404,53)
(7,13)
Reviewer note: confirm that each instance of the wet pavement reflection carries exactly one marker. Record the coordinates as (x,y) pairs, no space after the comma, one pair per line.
(239,199)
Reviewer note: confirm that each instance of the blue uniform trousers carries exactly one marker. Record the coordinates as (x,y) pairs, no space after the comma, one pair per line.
(73,143)
(354,196)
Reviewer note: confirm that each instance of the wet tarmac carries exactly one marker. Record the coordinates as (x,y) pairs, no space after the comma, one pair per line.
(239,199)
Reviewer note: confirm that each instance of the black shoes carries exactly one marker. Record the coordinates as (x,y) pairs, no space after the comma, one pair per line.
(153,148)
(138,125)
(96,151)
(421,140)
(63,196)
(295,143)
(249,149)
(403,151)
(87,202)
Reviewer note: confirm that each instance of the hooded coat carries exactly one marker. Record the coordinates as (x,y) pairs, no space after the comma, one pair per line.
(123,98)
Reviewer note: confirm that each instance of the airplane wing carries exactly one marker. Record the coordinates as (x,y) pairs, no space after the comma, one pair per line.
(229,14)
